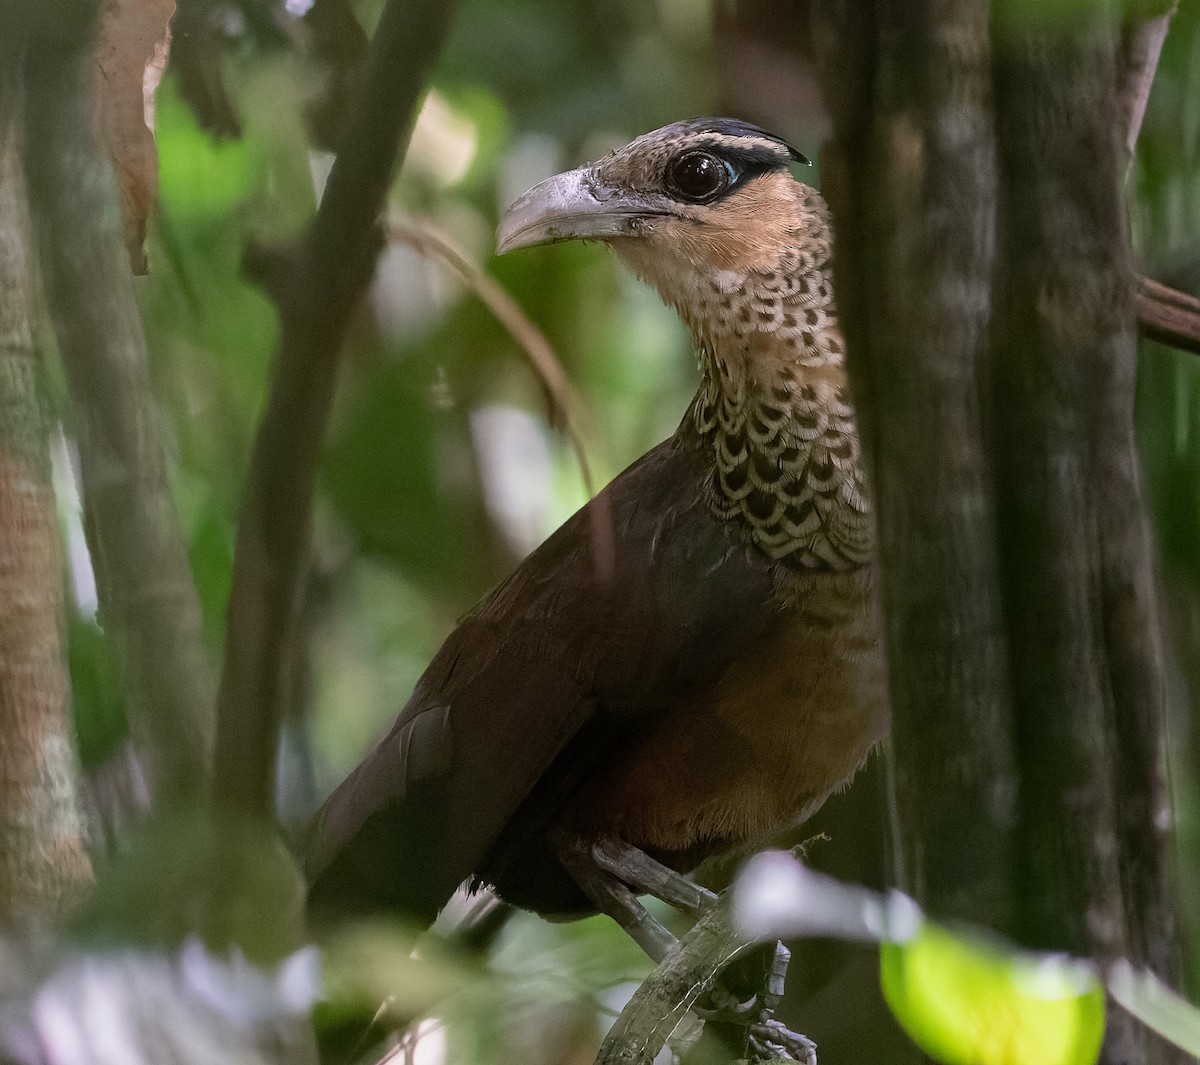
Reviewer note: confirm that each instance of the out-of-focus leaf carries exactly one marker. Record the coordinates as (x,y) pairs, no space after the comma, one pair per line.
(97,701)
(131,52)
(134,1007)
(1154,1004)
(373,962)
(202,178)
(777,896)
(402,476)
(969,1003)
(491,122)
(231,882)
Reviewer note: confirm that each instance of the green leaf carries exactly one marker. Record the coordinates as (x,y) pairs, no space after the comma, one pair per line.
(199,175)
(970,1003)
(97,698)
(183,874)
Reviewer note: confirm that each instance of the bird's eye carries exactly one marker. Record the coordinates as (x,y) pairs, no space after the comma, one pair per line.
(698,176)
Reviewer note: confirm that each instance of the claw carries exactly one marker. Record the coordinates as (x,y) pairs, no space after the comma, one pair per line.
(770,1040)
(725,1008)
(767,1039)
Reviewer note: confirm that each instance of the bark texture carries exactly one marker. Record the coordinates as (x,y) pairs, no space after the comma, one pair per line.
(44,865)
(990,309)
(911,179)
(1082,613)
(148,601)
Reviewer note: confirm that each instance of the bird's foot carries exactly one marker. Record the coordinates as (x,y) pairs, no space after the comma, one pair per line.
(770,1040)
(726,1008)
(766,1038)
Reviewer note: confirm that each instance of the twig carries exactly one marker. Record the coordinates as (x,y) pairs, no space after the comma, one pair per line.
(316,289)
(659,1004)
(148,599)
(564,403)
(1169,316)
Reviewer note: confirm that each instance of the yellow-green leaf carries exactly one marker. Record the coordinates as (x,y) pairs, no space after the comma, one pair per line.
(970,1003)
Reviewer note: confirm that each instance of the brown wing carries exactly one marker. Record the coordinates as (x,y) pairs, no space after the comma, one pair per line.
(518,679)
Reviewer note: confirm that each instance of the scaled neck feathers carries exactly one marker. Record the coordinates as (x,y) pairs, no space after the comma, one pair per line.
(772,413)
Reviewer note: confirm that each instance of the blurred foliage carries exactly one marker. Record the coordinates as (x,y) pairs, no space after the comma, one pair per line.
(971,1003)
(1156,1004)
(418,516)
(184,875)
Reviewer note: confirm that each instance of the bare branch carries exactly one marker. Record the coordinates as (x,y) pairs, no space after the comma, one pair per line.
(316,289)
(564,403)
(665,996)
(1169,316)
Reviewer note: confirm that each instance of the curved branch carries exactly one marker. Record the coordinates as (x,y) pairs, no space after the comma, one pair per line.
(665,996)
(316,289)
(564,404)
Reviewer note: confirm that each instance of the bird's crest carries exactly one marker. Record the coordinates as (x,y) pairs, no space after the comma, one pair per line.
(735,127)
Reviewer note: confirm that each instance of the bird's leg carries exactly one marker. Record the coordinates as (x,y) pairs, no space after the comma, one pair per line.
(613,897)
(612,873)
(646,876)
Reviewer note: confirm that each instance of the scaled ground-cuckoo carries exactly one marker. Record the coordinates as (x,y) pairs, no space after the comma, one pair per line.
(709,682)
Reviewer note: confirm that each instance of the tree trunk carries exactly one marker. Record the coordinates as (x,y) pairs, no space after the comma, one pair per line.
(44,866)
(1086,656)
(148,601)
(912,184)
(986,285)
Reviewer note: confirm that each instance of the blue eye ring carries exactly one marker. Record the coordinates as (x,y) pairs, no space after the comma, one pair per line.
(699,176)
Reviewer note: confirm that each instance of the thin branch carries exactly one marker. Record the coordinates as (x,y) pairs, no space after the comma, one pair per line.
(1168,316)
(148,598)
(665,996)
(316,289)
(561,398)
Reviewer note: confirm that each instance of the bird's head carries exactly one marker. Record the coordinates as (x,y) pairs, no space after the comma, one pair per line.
(693,201)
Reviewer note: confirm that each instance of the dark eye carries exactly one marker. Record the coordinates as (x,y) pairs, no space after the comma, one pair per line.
(698,176)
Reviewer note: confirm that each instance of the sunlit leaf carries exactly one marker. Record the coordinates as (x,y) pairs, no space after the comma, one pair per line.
(970,1003)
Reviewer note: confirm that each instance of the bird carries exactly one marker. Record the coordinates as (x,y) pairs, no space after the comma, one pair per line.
(693,662)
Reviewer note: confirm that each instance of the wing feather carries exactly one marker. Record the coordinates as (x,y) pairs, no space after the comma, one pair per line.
(526,670)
